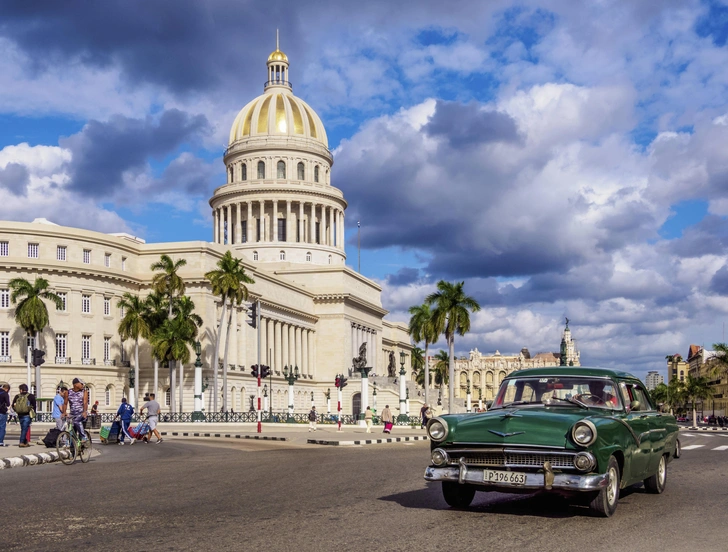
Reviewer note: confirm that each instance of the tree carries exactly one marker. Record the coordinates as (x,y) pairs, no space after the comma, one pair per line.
(451,316)
(31,312)
(720,360)
(442,366)
(659,394)
(155,313)
(676,395)
(183,309)
(696,389)
(417,363)
(134,325)
(422,328)
(228,281)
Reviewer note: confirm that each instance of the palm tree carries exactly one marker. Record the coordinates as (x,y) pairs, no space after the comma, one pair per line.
(720,360)
(441,369)
(134,325)
(168,283)
(31,313)
(155,314)
(659,394)
(451,316)
(418,364)
(676,395)
(696,388)
(184,311)
(228,281)
(421,328)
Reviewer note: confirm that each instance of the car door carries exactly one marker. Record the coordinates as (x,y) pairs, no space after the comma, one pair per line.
(639,423)
(656,423)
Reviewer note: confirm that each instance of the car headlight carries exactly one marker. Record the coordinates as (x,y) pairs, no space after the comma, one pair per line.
(584,433)
(437,429)
(584,461)
(439,457)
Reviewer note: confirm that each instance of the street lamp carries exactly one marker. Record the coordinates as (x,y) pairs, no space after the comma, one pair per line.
(403,417)
(132,395)
(374,399)
(290,375)
(469,403)
(197,415)
(265,397)
(480,398)
(328,400)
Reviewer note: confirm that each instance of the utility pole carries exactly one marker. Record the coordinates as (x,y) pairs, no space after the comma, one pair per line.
(260,412)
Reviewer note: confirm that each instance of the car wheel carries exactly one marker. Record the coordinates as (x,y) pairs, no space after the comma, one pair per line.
(457,495)
(656,483)
(605,503)
(678,449)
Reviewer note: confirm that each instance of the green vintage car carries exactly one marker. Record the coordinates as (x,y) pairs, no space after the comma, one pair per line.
(576,431)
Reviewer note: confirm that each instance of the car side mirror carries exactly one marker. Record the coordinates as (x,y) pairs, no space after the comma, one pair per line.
(635,405)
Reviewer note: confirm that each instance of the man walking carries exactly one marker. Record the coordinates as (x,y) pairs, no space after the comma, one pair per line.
(368,415)
(77,400)
(23,403)
(4,405)
(153,410)
(312,419)
(125,413)
(59,407)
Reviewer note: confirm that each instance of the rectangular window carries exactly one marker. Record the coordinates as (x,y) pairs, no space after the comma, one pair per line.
(123,263)
(4,344)
(107,349)
(64,298)
(32,250)
(282,229)
(318,232)
(107,260)
(4,298)
(85,347)
(107,396)
(86,303)
(87,256)
(245,231)
(61,348)
(4,249)
(107,306)
(257,229)
(61,253)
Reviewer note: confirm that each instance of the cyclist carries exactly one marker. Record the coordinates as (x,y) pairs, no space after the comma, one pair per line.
(77,399)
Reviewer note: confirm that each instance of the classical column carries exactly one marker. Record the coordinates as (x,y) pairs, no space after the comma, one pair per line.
(267,354)
(312,224)
(299,223)
(304,352)
(375,348)
(322,228)
(264,340)
(331,226)
(220,226)
(284,345)
(277,347)
(343,231)
(214,225)
(233,350)
(353,340)
(242,356)
(261,218)
(274,220)
(248,222)
(238,224)
(288,222)
(226,225)
(292,345)
(312,354)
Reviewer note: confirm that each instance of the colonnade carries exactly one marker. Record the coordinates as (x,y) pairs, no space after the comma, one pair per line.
(275,220)
(286,344)
(362,334)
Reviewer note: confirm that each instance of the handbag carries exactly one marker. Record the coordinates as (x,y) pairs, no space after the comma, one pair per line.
(31,413)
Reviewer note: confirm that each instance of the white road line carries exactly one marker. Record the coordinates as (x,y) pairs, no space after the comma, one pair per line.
(691,447)
(689,435)
(724,447)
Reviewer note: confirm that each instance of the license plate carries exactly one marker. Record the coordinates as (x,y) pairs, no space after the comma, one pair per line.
(505,477)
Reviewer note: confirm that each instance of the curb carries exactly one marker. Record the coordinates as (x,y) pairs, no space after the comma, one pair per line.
(222,435)
(367,441)
(705,428)
(31,460)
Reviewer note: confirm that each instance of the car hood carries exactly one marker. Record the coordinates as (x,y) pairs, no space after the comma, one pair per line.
(543,426)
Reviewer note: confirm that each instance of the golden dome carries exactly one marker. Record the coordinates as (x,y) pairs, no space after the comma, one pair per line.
(278,113)
(277,55)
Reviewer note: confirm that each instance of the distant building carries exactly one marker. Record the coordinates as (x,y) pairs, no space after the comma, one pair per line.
(653,379)
(677,367)
(702,363)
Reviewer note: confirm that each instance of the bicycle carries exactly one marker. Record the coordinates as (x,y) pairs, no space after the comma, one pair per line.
(69,445)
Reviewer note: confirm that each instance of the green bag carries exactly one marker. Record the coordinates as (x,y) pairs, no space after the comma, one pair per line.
(22,405)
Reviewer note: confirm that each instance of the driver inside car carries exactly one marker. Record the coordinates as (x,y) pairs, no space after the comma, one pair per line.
(605,392)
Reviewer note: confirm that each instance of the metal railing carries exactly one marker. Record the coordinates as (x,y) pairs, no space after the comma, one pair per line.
(6,358)
(125,363)
(109,362)
(63,360)
(88,361)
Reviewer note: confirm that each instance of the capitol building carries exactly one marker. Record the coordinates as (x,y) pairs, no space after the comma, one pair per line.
(280,214)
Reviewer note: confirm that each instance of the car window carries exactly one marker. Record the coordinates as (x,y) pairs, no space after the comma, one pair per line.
(635,397)
(560,391)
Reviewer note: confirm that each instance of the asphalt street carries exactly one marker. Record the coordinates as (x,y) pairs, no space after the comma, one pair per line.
(221,495)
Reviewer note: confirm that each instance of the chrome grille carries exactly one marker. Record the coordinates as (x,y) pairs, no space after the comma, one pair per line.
(511,458)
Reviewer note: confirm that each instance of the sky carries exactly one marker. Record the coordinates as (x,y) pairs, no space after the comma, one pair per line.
(561,158)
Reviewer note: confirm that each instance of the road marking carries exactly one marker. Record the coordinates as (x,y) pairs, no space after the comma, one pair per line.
(724,447)
(691,447)
(689,435)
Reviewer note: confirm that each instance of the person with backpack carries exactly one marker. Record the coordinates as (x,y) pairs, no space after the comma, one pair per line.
(312,419)
(125,412)
(24,407)
(4,406)
(77,400)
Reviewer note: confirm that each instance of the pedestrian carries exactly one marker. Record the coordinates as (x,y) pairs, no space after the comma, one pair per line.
(95,409)
(387,419)
(423,416)
(368,415)
(24,407)
(59,407)
(153,410)
(76,406)
(312,419)
(4,405)
(125,412)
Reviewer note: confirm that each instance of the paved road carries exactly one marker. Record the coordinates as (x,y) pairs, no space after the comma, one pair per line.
(184,495)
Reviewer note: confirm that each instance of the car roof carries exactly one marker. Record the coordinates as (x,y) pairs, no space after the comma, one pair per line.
(573,371)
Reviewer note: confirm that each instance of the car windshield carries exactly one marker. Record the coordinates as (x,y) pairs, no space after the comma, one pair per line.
(579,391)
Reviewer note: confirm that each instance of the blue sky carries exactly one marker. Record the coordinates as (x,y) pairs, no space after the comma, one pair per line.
(563,159)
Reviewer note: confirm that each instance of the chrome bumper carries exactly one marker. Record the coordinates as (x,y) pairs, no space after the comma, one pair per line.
(534,481)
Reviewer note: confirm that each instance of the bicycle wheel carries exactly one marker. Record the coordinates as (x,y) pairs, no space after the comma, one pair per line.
(66,449)
(85,449)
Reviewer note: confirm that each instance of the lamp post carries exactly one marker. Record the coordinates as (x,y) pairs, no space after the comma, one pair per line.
(197,415)
(312,401)
(132,395)
(328,400)
(290,375)
(364,394)
(374,399)
(406,402)
(265,397)
(468,397)
(205,385)
(402,390)
(480,398)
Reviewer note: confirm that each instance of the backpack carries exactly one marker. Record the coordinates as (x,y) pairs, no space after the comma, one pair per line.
(51,437)
(312,416)
(22,405)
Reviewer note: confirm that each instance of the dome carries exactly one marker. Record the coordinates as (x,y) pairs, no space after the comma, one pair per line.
(277,55)
(278,113)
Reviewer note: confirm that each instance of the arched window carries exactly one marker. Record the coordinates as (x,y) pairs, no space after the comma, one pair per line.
(233,396)
(255,255)
(308,257)
(282,255)
(261,169)
(281,169)
(301,171)
(316,174)
(244,171)
(109,395)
